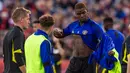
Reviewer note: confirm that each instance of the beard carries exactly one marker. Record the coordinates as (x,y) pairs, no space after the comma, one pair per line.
(83,19)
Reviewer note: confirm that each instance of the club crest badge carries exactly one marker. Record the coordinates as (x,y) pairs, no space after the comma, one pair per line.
(78,32)
(72,31)
(84,32)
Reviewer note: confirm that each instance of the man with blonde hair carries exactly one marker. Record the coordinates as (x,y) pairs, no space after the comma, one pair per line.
(13,44)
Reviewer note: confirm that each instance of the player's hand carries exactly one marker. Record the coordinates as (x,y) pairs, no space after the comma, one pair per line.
(111,53)
(55,39)
(58,33)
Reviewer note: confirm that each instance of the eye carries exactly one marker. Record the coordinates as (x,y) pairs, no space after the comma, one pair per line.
(83,12)
(78,13)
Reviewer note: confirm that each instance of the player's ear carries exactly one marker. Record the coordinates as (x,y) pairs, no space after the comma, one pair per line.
(21,20)
(52,27)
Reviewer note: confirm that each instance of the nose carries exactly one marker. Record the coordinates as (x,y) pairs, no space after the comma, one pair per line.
(82,15)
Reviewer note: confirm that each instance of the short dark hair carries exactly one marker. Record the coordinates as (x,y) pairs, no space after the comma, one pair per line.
(80,5)
(46,20)
(108,19)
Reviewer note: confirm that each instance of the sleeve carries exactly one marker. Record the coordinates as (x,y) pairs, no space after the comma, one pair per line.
(102,37)
(98,31)
(67,30)
(17,50)
(45,53)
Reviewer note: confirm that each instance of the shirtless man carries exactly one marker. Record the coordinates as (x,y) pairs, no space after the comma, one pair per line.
(91,34)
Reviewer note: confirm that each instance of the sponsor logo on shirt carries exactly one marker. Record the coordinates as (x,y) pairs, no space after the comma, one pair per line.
(84,32)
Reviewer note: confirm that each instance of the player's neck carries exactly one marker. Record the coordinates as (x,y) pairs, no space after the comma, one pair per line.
(16,24)
(81,23)
(110,27)
(45,30)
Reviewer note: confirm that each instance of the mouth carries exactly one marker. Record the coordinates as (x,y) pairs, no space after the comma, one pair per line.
(82,17)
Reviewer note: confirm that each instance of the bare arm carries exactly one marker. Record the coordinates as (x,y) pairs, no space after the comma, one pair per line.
(58,46)
(128,65)
(23,68)
(60,49)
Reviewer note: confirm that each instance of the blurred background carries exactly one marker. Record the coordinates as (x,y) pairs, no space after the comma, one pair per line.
(63,12)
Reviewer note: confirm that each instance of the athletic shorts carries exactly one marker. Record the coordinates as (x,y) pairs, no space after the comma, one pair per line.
(80,65)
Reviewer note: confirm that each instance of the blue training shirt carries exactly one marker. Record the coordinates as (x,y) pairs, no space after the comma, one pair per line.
(96,39)
(90,32)
(46,52)
(118,39)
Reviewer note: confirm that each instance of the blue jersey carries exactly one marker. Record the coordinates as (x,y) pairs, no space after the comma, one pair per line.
(90,32)
(96,39)
(118,39)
